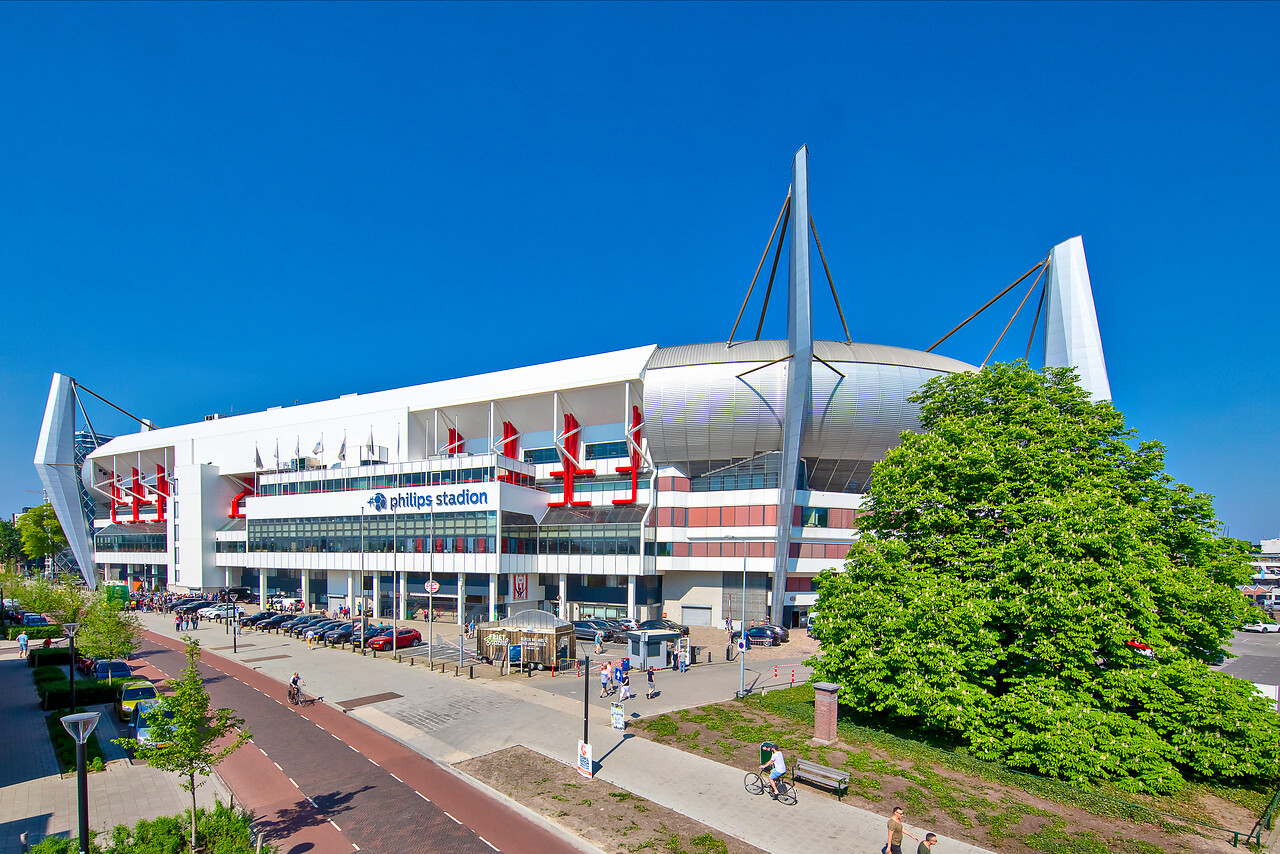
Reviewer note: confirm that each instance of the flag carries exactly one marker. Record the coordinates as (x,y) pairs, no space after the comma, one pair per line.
(297,447)
(277,453)
(319,448)
(342,451)
(257,457)
(370,443)
(397,443)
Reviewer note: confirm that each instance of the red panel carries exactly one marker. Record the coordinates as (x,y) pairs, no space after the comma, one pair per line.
(634,469)
(162,487)
(455,442)
(771,514)
(571,470)
(136,501)
(697,517)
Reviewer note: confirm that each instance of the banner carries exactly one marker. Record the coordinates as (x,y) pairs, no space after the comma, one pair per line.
(584,759)
(618,716)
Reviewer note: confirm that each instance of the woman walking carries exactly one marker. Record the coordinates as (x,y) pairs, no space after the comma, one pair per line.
(652,688)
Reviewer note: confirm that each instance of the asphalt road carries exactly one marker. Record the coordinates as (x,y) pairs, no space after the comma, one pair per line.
(1258,658)
(381,795)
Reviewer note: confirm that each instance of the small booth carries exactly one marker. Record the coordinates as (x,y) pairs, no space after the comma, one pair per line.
(533,638)
(651,648)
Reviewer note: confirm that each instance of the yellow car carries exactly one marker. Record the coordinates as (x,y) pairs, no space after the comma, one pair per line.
(131,693)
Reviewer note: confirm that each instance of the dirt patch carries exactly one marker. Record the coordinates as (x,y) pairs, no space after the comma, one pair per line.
(608,817)
(951,803)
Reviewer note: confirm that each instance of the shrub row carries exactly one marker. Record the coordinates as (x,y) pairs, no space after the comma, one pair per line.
(222,829)
(64,746)
(35,632)
(53,655)
(56,694)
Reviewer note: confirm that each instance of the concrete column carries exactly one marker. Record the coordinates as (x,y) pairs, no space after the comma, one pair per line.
(306,590)
(825,707)
(631,597)
(351,591)
(226,576)
(377,596)
(493,596)
(564,596)
(262,587)
(404,590)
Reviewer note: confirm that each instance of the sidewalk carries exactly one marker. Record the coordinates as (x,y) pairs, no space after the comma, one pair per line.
(451,719)
(36,800)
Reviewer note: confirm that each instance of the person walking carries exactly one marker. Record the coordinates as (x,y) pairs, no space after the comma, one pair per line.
(684,660)
(894,843)
(599,642)
(652,687)
(195,622)
(926,847)
(604,679)
(23,640)
(311,639)
(177,623)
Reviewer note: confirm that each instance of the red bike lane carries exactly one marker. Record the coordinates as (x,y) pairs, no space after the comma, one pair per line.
(320,781)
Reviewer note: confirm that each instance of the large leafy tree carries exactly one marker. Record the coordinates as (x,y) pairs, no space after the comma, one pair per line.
(41,533)
(1031,583)
(185,731)
(10,544)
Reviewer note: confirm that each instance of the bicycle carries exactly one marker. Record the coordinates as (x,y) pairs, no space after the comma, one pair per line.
(757,785)
(296,697)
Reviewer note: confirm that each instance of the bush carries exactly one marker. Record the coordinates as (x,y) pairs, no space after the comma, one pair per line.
(221,830)
(64,746)
(35,632)
(53,655)
(57,695)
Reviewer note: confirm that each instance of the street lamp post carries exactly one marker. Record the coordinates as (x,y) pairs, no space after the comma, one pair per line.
(234,616)
(364,609)
(745,643)
(79,727)
(69,629)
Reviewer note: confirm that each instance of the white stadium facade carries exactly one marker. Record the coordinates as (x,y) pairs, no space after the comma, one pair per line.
(691,481)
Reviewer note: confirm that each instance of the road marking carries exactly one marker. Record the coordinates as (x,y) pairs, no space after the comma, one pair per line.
(353,845)
(335,825)
(455,821)
(277,764)
(313,803)
(263,752)
(335,737)
(375,763)
(486,842)
(353,748)
(398,780)
(295,785)
(424,797)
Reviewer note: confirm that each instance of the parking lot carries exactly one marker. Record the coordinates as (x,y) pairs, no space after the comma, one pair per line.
(1257,658)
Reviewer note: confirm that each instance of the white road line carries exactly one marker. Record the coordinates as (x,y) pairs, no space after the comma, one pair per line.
(375,763)
(263,752)
(424,797)
(397,779)
(277,764)
(335,737)
(313,803)
(455,821)
(335,825)
(295,784)
(353,748)
(353,845)
(486,842)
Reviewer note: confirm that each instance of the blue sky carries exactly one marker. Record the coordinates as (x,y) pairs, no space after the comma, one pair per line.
(224,207)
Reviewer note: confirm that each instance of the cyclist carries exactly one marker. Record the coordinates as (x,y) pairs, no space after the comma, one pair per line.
(295,688)
(779,766)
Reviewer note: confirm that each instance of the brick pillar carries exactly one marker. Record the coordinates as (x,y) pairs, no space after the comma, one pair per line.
(825,706)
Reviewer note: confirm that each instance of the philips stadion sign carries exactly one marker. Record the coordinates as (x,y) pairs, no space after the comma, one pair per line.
(424,501)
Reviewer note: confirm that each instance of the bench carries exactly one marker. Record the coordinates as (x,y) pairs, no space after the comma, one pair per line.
(831,778)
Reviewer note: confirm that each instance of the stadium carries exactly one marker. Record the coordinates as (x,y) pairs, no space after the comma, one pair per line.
(698,482)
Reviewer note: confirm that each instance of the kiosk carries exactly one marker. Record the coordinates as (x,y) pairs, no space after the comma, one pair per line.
(650,648)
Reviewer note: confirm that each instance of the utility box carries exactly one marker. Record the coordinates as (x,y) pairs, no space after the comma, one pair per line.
(650,648)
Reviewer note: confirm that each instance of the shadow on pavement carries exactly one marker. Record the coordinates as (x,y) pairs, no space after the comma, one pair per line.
(290,820)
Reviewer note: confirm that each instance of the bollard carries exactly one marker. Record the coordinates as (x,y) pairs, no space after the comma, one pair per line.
(775,671)
(455,670)
(472,674)
(793,677)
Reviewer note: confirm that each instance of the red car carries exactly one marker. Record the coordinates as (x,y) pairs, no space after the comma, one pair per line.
(404,637)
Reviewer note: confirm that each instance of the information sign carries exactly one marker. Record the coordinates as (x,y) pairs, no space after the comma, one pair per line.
(585,766)
(433,586)
(514,653)
(618,716)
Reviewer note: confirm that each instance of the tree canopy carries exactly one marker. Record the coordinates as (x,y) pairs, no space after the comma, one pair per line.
(1032,584)
(41,533)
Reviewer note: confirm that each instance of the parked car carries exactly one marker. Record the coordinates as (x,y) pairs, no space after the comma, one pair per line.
(1264,628)
(586,629)
(241,593)
(339,634)
(194,607)
(255,619)
(299,626)
(275,621)
(142,727)
(664,626)
(220,610)
(111,669)
(132,693)
(375,632)
(319,628)
(760,635)
(35,620)
(615,631)
(404,637)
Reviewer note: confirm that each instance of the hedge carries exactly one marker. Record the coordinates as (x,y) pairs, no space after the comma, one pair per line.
(35,632)
(222,829)
(57,694)
(53,655)
(64,746)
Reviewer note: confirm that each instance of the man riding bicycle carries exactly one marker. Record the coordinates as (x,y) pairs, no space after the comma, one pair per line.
(779,766)
(295,689)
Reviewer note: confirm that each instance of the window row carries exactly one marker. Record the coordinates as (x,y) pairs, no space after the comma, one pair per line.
(592,484)
(753,515)
(372,545)
(230,547)
(406,524)
(383,481)
(131,543)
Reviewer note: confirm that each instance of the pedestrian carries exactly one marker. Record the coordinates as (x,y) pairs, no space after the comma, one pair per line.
(195,622)
(311,638)
(604,679)
(177,623)
(652,688)
(894,843)
(599,642)
(728,624)
(926,847)
(22,643)
(625,682)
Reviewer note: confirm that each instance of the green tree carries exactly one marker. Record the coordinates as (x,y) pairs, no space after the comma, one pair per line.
(41,534)
(1013,555)
(185,731)
(10,544)
(107,630)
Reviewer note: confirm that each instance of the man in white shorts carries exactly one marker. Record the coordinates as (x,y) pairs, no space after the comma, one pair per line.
(777,766)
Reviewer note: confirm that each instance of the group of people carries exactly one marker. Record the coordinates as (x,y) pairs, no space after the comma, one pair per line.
(185,622)
(621,682)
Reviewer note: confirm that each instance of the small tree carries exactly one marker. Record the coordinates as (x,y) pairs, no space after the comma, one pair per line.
(10,545)
(107,630)
(41,534)
(184,731)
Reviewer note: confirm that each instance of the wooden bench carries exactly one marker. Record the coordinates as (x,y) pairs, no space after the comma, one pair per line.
(831,778)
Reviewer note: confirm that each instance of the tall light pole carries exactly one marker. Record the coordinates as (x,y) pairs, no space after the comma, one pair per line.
(69,629)
(364,611)
(79,727)
(742,652)
(236,631)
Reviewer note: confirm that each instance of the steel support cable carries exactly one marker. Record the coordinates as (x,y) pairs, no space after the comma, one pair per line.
(786,219)
(112,405)
(1036,322)
(1016,282)
(763,255)
(1030,291)
(830,282)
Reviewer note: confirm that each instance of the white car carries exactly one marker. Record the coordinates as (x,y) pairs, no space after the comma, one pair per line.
(1264,628)
(220,610)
